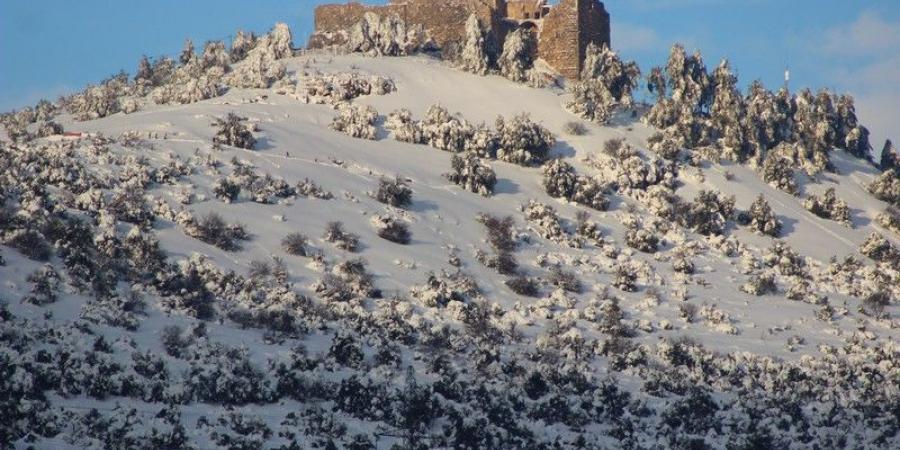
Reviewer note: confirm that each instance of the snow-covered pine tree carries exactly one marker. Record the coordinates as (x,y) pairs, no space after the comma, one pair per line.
(606,83)
(474,57)
(762,219)
(187,53)
(890,158)
(517,59)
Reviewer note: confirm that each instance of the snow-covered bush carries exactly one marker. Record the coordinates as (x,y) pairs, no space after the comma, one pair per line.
(226,190)
(295,244)
(45,286)
(641,239)
(309,188)
(760,284)
(517,58)
(394,192)
(560,179)
(385,36)
(49,128)
(403,128)
(444,131)
(474,56)
(213,230)
(30,243)
(887,187)
(344,240)
(879,249)
(472,174)
(606,83)
(625,277)
(709,213)
(234,131)
(785,260)
(332,89)
(260,70)
(565,280)
(890,219)
(544,220)
(762,219)
(94,102)
(523,142)
(779,173)
(664,145)
(575,128)
(356,120)
(523,286)
(828,207)
(392,229)
(241,45)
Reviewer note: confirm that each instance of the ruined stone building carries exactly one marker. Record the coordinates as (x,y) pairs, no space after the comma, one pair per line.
(564,30)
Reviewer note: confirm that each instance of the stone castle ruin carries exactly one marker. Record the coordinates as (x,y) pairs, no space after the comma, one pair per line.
(563,30)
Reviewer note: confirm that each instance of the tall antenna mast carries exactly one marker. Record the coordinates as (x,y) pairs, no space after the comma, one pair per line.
(787,78)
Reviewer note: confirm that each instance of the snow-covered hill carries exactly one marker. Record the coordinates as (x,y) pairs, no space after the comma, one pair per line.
(645,354)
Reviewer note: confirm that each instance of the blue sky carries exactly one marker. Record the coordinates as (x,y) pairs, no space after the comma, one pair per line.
(49,47)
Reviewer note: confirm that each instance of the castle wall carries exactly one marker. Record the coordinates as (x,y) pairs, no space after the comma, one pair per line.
(565,32)
(445,20)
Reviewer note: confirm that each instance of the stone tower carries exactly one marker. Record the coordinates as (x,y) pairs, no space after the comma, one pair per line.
(568,29)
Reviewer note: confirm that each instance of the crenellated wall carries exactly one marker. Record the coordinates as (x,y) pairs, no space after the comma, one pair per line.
(564,31)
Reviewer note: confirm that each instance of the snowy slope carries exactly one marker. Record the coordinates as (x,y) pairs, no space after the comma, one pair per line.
(295,143)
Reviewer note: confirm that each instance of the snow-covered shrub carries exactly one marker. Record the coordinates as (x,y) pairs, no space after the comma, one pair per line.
(474,56)
(544,220)
(260,70)
(879,249)
(828,207)
(575,128)
(664,145)
(523,142)
(394,192)
(760,284)
(499,231)
(565,280)
(887,187)
(309,188)
(30,243)
(709,213)
(49,128)
(356,120)
(762,219)
(332,89)
(347,280)
(226,190)
(385,36)
(890,219)
(344,240)
(875,303)
(682,264)
(586,228)
(213,230)
(45,286)
(237,431)
(94,102)
(190,84)
(403,128)
(625,277)
(129,204)
(234,131)
(295,244)
(472,174)
(241,45)
(560,179)
(779,173)
(226,376)
(523,286)
(391,228)
(517,58)
(641,239)
(115,310)
(606,83)
(785,260)
(444,131)
(660,200)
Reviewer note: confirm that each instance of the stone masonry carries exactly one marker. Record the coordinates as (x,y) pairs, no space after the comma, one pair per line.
(564,30)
